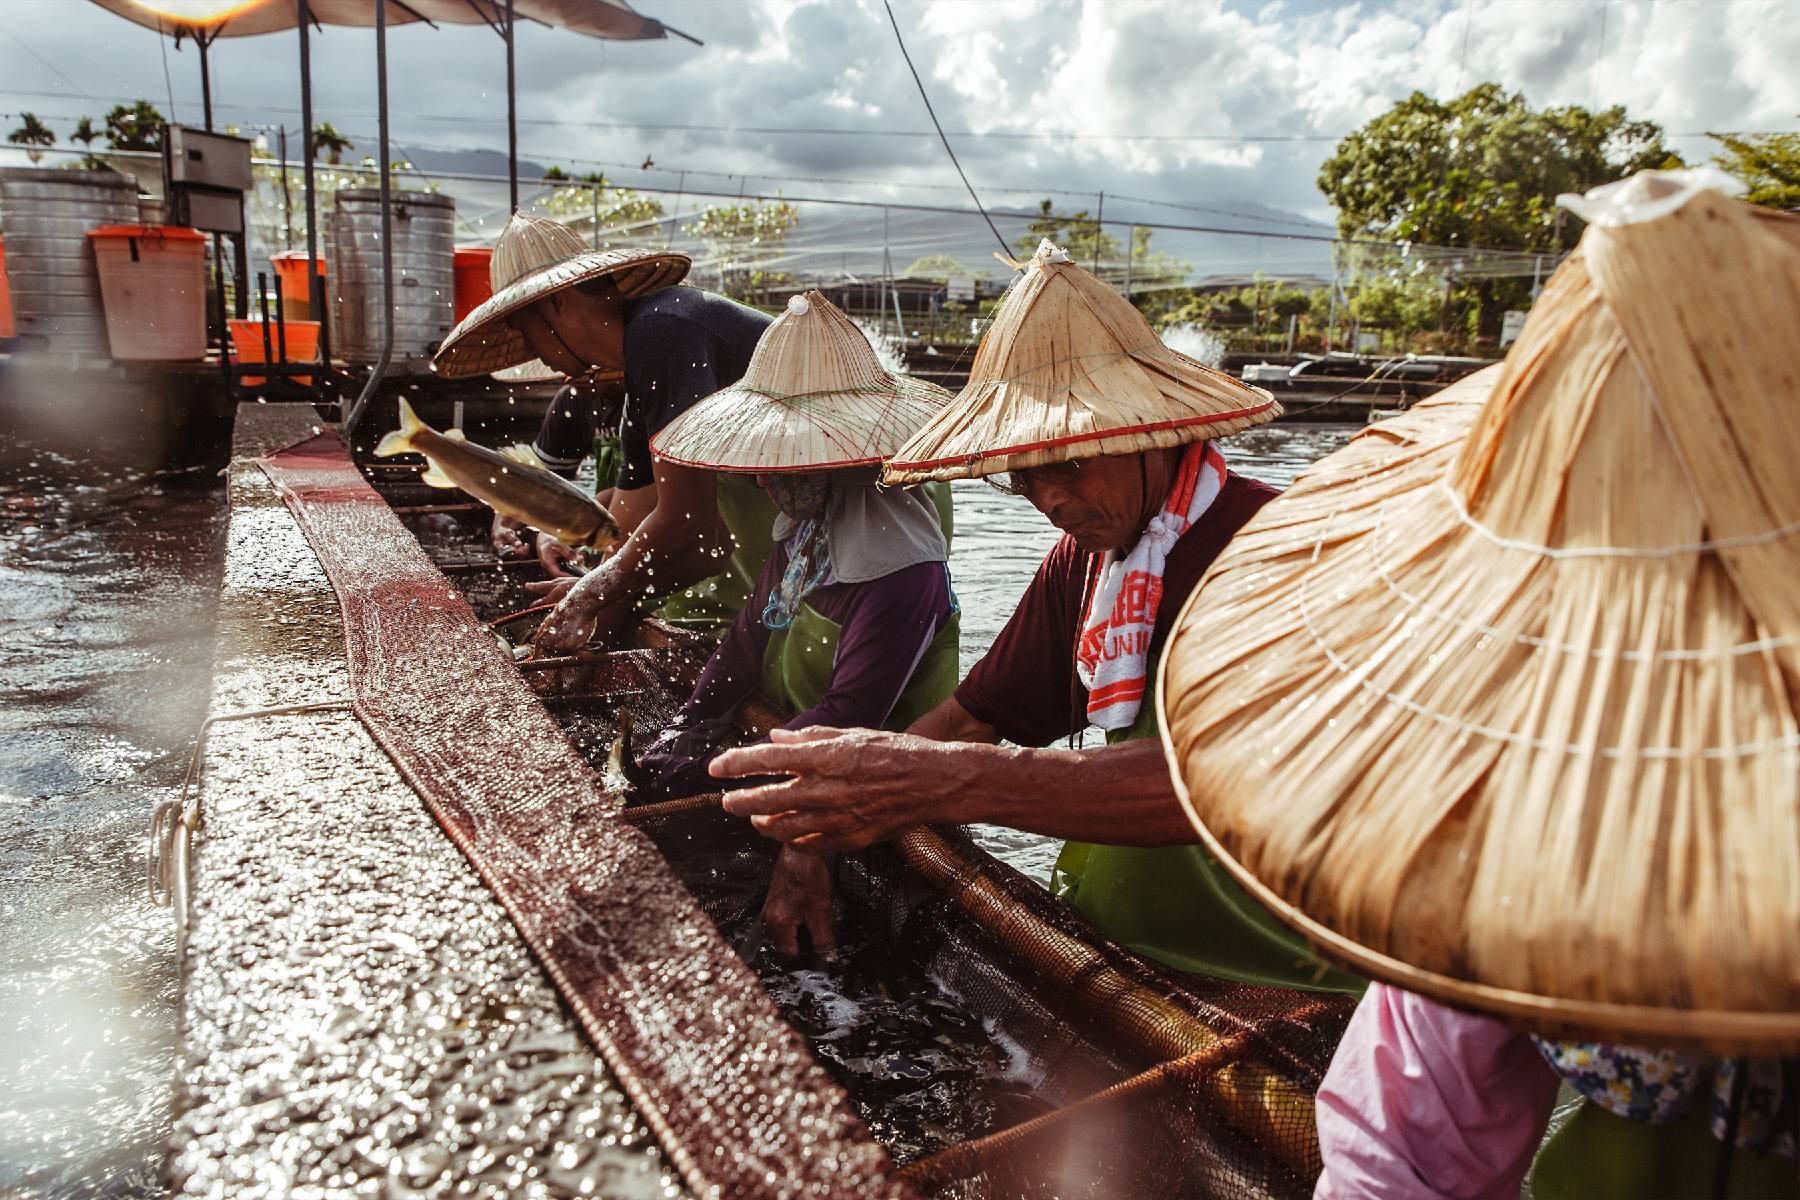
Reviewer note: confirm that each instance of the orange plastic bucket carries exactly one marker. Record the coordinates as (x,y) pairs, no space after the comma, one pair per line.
(290,269)
(472,282)
(6,317)
(247,343)
(153,290)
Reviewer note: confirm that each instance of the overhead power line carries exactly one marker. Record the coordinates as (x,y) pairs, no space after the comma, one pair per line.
(932,113)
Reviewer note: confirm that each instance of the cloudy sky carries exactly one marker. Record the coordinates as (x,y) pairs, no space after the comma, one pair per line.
(1162,99)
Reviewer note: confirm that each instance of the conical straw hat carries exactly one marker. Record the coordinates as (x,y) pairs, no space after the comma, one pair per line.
(533,258)
(1069,369)
(814,398)
(1501,702)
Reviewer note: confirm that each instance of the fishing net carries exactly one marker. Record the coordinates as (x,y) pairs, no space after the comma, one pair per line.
(992,1041)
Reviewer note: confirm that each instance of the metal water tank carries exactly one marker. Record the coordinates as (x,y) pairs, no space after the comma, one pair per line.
(45,215)
(424,228)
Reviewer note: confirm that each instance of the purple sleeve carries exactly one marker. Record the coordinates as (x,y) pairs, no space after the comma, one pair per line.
(734,671)
(884,628)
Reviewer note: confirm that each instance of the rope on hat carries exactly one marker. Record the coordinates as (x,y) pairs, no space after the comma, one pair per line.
(1742,542)
(1360,676)
(1470,625)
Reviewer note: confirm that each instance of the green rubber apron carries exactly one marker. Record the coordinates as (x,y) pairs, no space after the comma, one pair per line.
(1178,906)
(714,603)
(799,660)
(1599,1155)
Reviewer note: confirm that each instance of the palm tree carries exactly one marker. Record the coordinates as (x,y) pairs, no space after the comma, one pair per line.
(33,134)
(87,135)
(330,142)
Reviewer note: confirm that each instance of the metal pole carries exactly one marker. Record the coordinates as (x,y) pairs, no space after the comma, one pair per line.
(512,114)
(205,81)
(1130,246)
(596,216)
(387,228)
(287,198)
(1099,216)
(315,290)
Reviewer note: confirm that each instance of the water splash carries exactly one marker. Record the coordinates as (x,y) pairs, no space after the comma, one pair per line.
(1197,342)
(887,347)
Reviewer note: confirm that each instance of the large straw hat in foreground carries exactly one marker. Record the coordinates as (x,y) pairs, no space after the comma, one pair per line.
(814,398)
(1069,369)
(533,258)
(1501,703)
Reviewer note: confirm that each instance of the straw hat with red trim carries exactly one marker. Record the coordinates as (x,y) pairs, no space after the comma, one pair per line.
(534,258)
(814,398)
(1071,370)
(1501,702)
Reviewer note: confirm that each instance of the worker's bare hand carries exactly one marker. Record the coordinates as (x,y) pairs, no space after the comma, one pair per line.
(507,537)
(577,620)
(552,589)
(799,899)
(850,788)
(555,556)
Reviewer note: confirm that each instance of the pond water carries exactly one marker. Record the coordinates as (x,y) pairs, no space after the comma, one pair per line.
(108,578)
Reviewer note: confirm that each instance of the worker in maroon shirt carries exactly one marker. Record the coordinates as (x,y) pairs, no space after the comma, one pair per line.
(1075,404)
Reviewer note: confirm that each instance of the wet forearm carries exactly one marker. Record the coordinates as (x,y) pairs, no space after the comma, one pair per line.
(1119,795)
(660,556)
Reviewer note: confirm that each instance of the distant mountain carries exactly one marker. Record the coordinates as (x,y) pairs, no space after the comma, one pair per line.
(1215,237)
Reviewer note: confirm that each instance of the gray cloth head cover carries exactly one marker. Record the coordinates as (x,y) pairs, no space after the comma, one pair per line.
(875,531)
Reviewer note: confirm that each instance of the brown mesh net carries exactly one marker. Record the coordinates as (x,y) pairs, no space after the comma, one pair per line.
(991,1039)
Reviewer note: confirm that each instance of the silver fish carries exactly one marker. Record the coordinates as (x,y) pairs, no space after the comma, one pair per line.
(512,482)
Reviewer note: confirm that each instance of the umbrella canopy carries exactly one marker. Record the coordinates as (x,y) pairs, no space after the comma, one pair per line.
(208,19)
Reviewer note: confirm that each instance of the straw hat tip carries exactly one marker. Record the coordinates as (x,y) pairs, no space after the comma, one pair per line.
(799,306)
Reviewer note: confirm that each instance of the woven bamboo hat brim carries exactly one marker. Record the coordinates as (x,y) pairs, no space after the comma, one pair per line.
(533,258)
(1069,369)
(814,398)
(1501,702)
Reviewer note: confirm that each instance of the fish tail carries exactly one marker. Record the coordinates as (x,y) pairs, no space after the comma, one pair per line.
(400,440)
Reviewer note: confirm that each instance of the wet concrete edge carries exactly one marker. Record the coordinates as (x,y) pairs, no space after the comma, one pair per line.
(360,1015)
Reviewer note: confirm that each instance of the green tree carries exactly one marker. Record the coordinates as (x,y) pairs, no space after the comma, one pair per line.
(614,217)
(1483,169)
(329,142)
(742,240)
(555,172)
(1768,162)
(1156,282)
(32,134)
(939,267)
(1078,233)
(137,126)
(87,134)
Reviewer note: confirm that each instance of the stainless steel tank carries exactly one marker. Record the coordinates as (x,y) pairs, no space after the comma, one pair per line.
(424,229)
(45,216)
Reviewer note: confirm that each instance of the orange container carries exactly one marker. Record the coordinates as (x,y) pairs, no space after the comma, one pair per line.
(472,282)
(247,344)
(153,288)
(290,269)
(6,320)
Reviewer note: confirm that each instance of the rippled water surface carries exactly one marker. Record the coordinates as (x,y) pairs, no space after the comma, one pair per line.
(107,585)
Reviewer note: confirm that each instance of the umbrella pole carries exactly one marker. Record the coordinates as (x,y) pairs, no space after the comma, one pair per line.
(205,80)
(512,115)
(315,290)
(387,228)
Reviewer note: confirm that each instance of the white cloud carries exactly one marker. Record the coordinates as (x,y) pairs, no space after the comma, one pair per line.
(1310,68)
